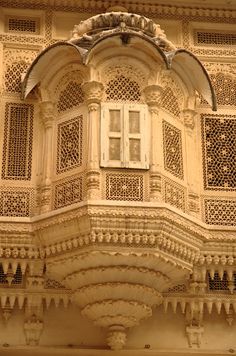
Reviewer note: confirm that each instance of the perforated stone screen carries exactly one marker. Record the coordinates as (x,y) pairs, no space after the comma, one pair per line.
(215,38)
(218,284)
(22,25)
(69,144)
(15,202)
(68,192)
(174,194)
(18,138)
(172,143)
(124,187)
(122,89)
(70,96)
(170,102)
(219,152)
(13,76)
(220,212)
(225,88)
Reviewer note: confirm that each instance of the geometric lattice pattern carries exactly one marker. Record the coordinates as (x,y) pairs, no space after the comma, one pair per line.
(124,187)
(17,280)
(217,283)
(173,159)
(17,145)
(225,89)
(17,24)
(52,284)
(68,192)
(170,102)
(220,212)
(215,38)
(13,76)
(122,89)
(16,62)
(219,152)
(15,203)
(70,97)
(174,194)
(69,144)
(179,288)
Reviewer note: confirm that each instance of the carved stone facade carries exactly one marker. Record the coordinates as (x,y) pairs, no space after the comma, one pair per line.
(117,184)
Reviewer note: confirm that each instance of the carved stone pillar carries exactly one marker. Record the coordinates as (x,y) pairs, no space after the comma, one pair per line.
(189,117)
(153,98)
(47,116)
(93,94)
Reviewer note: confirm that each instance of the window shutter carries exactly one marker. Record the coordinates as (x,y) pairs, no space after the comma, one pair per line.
(136,136)
(124,136)
(112,152)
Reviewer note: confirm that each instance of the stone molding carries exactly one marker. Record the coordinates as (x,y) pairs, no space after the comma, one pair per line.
(139,6)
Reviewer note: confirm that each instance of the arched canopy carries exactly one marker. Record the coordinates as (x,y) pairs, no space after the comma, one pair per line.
(184,62)
(147,45)
(59,51)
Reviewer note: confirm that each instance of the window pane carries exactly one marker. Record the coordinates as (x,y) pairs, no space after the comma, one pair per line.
(134,150)
(114,149)
(134,122)
(114,120)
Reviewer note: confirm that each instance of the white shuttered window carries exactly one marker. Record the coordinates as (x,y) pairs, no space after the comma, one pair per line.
(124,140)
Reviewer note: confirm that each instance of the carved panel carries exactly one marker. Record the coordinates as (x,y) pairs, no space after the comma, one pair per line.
(22,25)
(17,146)
(68,192)
(225,88)
(173,157)
(69,144)
(16,62)
(217,283)
(124,186)
(122,88)
(70,96)
(170,102)
(215,38)
(174,194)
(220,212)
(16,202)
(219,153)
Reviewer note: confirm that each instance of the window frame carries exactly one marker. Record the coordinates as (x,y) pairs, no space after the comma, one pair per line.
(125,136)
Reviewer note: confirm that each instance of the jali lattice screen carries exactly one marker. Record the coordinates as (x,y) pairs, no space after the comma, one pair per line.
(173,157)
(69,144)
(18,138)
(219,152)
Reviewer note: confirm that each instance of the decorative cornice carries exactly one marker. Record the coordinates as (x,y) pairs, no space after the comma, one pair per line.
(214,9)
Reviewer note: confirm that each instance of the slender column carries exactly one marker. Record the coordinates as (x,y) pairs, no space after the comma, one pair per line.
(47,116)
(93,94)
(192,160)
(153,98)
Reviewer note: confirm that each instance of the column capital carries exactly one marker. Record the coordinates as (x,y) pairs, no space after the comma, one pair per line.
(93,91)
(188,116)
(153,94)
(47,109)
